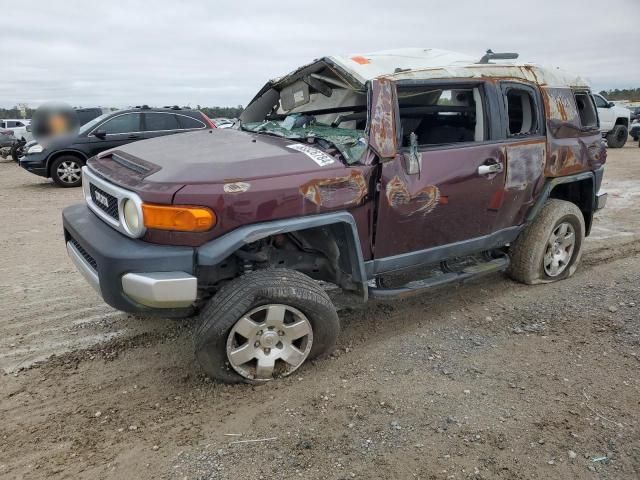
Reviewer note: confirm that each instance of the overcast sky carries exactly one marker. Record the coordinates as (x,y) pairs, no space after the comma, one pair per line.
(120,53)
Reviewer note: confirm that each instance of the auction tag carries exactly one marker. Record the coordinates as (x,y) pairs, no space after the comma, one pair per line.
(314,154)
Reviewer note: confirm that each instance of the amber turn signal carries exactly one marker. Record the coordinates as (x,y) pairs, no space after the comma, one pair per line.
(178,218)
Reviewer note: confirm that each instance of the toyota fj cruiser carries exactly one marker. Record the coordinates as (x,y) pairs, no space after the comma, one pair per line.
(418,164)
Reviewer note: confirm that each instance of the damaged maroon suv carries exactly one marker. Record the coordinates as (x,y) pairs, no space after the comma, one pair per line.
(384,174)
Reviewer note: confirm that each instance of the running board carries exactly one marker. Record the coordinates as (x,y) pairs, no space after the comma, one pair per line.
(420,286)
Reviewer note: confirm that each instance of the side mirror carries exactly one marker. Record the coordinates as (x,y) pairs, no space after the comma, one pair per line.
(611,104)
(101,134)
(28,127)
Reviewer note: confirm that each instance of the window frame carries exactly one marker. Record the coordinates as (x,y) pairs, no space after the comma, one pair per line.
(183,127)
(595,99)
(591,96)
(535,95)
(488,106)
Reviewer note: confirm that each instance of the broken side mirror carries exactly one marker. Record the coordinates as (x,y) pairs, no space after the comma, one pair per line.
(412,158)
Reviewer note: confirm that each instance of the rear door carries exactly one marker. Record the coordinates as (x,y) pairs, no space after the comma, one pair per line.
(121,129)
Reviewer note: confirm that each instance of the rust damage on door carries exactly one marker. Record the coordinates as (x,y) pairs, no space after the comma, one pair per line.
(421,202)
(382,121)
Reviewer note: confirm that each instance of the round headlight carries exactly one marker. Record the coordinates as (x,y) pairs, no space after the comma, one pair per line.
(132,217)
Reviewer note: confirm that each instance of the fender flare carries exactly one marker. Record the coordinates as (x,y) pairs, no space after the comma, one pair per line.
(218,249)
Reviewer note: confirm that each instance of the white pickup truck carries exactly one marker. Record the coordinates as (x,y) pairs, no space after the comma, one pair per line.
(614,121)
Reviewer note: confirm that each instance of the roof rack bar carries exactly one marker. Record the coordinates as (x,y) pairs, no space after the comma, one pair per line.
(490,55)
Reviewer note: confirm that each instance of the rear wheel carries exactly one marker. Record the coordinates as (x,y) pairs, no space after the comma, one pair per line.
(550,248)
(264,325)
(617,137)
(66,171)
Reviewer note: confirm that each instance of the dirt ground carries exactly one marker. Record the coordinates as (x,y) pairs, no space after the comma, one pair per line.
(492,379)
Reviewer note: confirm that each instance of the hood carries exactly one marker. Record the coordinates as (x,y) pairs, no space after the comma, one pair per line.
(215,156)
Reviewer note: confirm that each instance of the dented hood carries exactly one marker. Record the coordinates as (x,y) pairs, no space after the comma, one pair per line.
(216,156)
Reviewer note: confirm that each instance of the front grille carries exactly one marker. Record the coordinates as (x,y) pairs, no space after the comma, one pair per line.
(90,260)
(100,197)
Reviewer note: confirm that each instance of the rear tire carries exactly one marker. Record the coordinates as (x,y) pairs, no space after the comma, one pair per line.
(548,249)
(66,171)
(617,137)
(244,314)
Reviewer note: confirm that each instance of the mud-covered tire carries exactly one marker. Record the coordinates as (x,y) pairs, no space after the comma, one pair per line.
(244,294)
(527,253)
(617,137)
(66,171)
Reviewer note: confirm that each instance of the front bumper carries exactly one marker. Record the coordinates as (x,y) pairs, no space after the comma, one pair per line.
(130,275)
(35,163)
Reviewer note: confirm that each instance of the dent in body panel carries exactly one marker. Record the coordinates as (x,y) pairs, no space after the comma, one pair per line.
(525,164)
(341,191)
(421,202)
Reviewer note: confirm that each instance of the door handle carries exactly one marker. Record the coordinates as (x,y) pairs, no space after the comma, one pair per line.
(133,136)
(489,169)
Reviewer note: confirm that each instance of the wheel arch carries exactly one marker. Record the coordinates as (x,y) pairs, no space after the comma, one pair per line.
(579,189)
(622,121)
(54,156)
(342,226)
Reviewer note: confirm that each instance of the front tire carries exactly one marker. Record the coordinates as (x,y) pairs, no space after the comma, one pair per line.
(66,171)
(264,325)
(549,249)
(617,137)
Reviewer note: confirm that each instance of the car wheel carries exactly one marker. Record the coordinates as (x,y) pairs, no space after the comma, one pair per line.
(17,151)
(617,137)
(549,249)
(66,171)
(264,325)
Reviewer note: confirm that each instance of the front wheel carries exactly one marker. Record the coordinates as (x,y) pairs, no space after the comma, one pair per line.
(550,248)
(264,325)
(66,171)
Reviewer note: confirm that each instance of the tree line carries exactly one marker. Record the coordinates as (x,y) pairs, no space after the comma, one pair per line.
(211,112)
(631,94)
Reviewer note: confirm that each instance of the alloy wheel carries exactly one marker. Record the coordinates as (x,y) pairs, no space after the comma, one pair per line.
(559,251)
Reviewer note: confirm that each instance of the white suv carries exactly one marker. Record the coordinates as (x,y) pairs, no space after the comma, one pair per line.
(18,126)
(614,121)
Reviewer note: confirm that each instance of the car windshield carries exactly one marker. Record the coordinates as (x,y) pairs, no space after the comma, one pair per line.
(89,125)
(351,143)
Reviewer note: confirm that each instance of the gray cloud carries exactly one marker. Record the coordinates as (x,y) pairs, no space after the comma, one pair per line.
(220,53)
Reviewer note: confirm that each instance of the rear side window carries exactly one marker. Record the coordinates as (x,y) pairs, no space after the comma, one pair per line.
(127,123)
(156,122)
(188,122)
(521,111)
(586,109)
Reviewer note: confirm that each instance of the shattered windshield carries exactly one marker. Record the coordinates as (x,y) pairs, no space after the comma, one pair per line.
(350,143)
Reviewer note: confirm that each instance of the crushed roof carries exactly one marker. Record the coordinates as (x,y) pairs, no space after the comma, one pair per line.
(431,63)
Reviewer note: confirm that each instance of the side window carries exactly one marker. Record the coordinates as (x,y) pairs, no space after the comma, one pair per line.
(155,122)
(188,122)
(127,123)
(586,109)
(600,102)
(441,115)
(521,112)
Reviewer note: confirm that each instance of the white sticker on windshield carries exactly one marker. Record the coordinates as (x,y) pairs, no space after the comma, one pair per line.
(314,154)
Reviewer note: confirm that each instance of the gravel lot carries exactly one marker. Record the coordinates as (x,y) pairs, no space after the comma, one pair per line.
(490,380)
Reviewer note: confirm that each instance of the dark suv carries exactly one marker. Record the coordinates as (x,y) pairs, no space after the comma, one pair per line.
(383,174)
(62,158)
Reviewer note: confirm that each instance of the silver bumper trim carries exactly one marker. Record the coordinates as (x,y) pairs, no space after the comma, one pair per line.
(87,271)
(601,200)
(161,289)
